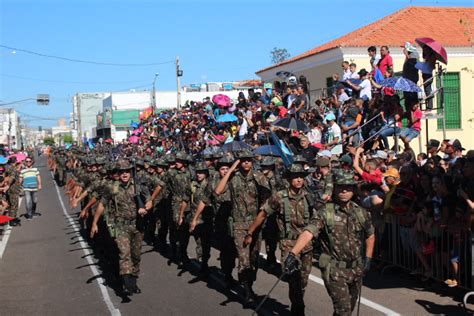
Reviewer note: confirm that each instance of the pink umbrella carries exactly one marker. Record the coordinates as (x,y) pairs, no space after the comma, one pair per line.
(19,156)
(435,46)
(133,139)
(221,100)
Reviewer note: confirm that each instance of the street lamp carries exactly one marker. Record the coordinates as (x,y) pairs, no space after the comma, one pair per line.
(153,97)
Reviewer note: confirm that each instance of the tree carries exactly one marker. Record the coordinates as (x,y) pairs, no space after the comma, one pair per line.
(48,141)
(279,54)
(68,138)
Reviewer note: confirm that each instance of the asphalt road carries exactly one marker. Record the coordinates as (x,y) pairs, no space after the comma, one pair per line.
(48,269)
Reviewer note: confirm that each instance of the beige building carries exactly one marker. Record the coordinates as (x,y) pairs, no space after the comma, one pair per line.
(450,26)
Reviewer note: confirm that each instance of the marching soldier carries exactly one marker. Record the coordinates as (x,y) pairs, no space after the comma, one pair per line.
(125,206)
(339,226)
(248,191)
(293,209)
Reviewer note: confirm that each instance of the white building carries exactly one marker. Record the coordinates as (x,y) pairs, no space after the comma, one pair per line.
(10,128)
(86,106)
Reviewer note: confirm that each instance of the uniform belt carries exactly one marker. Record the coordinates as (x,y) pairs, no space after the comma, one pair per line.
(246,219)
(346,264)
(125,221)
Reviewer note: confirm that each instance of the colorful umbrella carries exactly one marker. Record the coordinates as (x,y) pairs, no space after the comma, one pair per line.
(291,123)
(19,156)
(109,140)
(400,84)
(5,219)
(437,48)
(3,160)
(226,118)
(221,100)
(133,139)
(268,150)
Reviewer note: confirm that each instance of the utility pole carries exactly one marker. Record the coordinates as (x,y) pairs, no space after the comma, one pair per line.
(79,131)
(179,73)
(9,128)
(153,96)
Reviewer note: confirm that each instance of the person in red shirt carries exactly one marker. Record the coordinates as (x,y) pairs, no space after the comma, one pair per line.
(414,125)
(386,62)
(371,173)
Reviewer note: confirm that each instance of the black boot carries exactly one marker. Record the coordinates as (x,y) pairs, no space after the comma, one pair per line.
(128,288)
(204,268)
(229,281)
(136,289)
(297,310)
(249,295)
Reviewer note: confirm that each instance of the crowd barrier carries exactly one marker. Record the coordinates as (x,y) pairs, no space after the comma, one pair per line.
(443,252)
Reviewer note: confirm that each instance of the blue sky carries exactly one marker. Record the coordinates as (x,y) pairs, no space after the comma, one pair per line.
(222,40)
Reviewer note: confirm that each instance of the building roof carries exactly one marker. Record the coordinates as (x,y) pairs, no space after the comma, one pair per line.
(441,23)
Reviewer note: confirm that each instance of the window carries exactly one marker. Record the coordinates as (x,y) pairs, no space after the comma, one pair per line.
(452,101)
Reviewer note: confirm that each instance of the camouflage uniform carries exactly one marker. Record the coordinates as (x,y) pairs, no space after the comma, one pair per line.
(121,198)
(203,231)
(60,168)
(340,231)
(293,213)
(179,182)
(14,191)
(270,228)
(222,221)
(248,193)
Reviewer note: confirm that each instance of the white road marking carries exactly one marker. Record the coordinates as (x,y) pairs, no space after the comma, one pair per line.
(6,236)
(366,302)
(100,281)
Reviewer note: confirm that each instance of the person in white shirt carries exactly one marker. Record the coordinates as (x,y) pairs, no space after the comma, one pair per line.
(315,134)
(346,72)
(353,69)
(364,88)
(334,135)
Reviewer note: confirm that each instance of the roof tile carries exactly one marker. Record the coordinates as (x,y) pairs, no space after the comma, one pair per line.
(441,23)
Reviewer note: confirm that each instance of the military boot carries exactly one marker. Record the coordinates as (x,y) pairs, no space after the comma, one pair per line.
(249,295)
(128,288)
(297,310)
(136,289)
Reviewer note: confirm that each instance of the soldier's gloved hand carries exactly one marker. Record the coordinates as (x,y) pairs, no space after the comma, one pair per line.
(367,262)
(291,264)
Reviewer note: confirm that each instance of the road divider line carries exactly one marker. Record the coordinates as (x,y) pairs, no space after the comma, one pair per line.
(366,302)
(100,281)
(6,236)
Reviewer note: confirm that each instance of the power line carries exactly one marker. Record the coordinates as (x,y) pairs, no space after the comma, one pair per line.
(84,61)
(71,82)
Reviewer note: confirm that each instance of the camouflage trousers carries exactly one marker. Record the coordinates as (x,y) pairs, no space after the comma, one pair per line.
(13,201)
(343,286)
(60,176)
(247,256)
(299,280)
(129,243)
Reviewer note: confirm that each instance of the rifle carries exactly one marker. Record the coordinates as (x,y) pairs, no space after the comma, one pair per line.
(138,200)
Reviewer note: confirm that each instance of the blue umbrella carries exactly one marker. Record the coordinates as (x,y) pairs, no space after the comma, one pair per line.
(268,150)
(227,118)
(3,160)
(400,84)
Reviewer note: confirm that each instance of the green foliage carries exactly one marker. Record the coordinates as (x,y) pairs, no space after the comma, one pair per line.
(48,141)
(68,138)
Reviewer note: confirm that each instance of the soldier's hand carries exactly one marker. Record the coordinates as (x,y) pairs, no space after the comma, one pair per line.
(142,211)
(192,226)
(291,264)
(84,214)
(148,205)
(180,221)
(74,203)
(248,240)
(235,165)
(367,262)
(94,230)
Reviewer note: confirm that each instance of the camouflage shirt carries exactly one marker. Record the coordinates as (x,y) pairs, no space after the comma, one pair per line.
(179,182)
(248,193)
(346,233)
(121,198)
